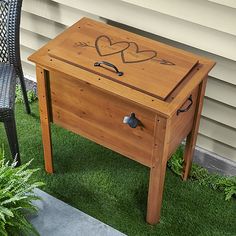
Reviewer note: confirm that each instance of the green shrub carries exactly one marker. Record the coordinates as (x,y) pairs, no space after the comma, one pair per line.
(227,184)
(19,96)
(16,194)
(176,161)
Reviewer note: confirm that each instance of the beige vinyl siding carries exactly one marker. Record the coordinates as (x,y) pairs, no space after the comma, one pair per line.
(229,3)
(219,112)
(205,27)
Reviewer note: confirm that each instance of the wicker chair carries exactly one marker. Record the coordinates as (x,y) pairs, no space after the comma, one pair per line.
(10,69)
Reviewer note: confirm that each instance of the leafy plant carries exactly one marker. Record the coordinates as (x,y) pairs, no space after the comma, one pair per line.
(226,184)
(19,96)
(176,161)
(16,195)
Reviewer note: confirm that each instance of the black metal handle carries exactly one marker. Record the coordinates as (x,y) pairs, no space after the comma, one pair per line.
(99,63)
(188,107)
(132,121)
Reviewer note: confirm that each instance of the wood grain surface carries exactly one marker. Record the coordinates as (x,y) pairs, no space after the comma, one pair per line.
(92,101)
(147,66)
(45,118)
(85,110)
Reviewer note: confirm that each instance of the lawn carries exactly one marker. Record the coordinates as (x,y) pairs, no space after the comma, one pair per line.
(113,189)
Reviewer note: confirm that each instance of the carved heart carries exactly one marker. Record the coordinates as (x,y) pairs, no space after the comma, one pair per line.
(134,55)
(105,47)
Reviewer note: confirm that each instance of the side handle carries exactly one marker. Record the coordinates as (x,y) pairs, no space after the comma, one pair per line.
(190,100)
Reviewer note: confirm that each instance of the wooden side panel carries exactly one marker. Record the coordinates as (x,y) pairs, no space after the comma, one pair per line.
(83,109)
(181,124)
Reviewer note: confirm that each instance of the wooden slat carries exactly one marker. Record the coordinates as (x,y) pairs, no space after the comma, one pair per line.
(45,118)
(73,106)
(158,170)
(217,147)
(43,58)
(167,77)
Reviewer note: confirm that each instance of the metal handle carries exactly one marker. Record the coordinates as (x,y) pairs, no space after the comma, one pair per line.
(131,120)
(188,107)
(99,63)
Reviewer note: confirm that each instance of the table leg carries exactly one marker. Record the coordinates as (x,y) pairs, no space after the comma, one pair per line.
(156,185)
(43,97)
(192,137)
(158,170)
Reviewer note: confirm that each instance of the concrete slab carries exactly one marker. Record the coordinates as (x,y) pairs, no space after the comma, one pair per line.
(214,163)
(56,218)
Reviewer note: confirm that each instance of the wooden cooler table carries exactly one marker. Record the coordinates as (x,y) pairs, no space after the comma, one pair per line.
(136,96)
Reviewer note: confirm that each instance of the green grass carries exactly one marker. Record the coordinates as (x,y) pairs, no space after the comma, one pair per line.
(113,189)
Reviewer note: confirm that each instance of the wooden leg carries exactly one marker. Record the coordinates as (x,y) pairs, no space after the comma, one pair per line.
(158,170)
(156,185)
(192,137)
(45,118)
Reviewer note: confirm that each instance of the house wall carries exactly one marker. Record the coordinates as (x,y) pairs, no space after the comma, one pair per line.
(205,27)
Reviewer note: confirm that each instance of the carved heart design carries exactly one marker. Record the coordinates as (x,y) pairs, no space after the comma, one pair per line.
(105,47)
(134,55)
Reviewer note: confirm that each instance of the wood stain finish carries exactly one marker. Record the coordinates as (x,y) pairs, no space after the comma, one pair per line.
(136,96)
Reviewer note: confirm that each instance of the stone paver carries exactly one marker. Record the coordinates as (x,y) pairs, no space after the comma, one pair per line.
(56,218)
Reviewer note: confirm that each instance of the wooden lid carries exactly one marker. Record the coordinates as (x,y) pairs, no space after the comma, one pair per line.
(148,66)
